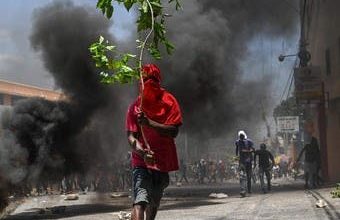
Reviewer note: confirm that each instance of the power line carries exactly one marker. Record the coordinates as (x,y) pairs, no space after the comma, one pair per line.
(286,86)
(289,81)
(290,86)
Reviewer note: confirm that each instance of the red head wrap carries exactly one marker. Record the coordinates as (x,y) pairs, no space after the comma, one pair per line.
(158,104)
(151,70)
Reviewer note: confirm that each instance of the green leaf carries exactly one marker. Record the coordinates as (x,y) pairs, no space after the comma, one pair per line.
(169,47)
(110,48)
(101,39)
(128,4)
(156,4)
(145,7)
(131,55)
(100,3)
(109,11)
(178,4)
(154,52)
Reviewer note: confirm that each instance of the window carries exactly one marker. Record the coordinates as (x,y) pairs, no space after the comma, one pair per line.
(328,61)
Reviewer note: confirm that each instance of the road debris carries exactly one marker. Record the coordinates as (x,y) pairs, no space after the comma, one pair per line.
(119,194)
(321,203)
(124,215)
(72,197)
(218,195)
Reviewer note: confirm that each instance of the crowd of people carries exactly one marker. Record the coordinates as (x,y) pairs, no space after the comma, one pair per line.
(100,178)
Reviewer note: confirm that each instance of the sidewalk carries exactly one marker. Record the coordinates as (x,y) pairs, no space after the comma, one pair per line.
(333,204)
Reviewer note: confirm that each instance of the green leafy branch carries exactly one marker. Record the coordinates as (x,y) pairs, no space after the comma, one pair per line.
(125,68)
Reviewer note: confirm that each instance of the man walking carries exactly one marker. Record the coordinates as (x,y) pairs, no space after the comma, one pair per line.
(245,150)
(183,171)
(266,162)
(152,124)
(312,156)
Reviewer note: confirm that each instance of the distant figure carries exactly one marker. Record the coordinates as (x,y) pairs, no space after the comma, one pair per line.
(202,171)
(183,171)
(312,156)
(221,170)
(312,162)
(266,162)
(245,151)
(284,160)
(212,172)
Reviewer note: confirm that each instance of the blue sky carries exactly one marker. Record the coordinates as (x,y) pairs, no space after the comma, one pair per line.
(17,60)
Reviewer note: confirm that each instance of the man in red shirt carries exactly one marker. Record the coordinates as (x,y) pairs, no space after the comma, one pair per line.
(152,123)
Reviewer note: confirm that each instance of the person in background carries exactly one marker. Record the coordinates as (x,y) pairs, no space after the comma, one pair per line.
(244,150)
(266,162)
(312,156)
(221,170)
(183,171)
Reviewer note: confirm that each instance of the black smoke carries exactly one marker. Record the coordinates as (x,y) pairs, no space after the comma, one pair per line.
(207,73)
(47,137)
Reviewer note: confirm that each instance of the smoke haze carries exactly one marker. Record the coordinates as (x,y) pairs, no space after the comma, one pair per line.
(48,135)
(208,73)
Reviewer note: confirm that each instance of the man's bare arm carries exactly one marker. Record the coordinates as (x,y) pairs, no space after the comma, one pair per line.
(134,143)
(168,130)
(300,155)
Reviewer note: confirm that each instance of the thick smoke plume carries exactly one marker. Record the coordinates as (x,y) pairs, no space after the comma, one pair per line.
(43,136)
(205,72)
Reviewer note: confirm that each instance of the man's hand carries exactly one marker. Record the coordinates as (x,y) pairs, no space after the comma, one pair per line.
(149,157)
(136,145)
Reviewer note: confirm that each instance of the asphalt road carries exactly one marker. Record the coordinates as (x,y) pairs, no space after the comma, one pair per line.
(287,200)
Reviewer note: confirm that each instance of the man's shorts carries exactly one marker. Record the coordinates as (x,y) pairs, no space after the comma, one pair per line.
(148,186)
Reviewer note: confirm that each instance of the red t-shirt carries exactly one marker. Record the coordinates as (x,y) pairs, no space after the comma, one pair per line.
(164,147)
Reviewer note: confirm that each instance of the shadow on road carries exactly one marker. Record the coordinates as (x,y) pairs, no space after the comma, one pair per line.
(65,211)
(232,190)
(188,204)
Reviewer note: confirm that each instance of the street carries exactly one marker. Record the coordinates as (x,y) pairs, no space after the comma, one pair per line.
(287,200)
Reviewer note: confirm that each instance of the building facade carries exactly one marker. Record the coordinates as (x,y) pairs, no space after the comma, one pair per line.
(11,92)
(322,32)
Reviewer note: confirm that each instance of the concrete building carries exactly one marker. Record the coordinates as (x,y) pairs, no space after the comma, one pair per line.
(322,22)
(11,92)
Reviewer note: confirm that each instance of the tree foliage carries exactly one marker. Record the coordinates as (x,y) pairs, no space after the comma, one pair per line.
(336,192)
(288,107)
(117,67)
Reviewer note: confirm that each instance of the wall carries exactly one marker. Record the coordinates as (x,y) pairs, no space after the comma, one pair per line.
(323,36)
